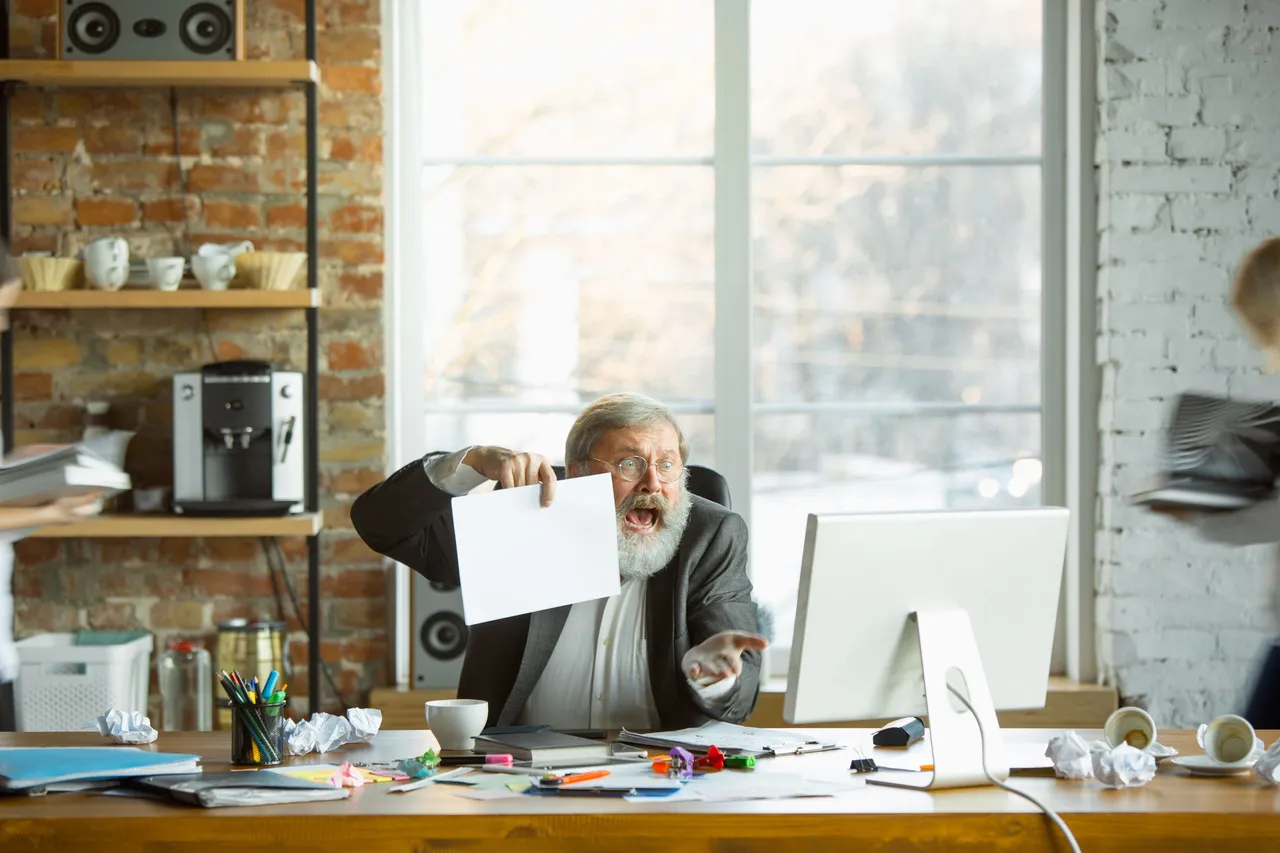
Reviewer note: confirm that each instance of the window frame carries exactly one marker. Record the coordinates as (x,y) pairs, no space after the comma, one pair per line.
(1068,381)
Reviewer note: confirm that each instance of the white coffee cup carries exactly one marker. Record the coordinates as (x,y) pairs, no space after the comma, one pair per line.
(457,722)
(1229,739)
(106,263)
(166,273)
(214,272)
(1130,725)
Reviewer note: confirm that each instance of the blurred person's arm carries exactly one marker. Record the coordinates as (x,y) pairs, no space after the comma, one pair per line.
(1254,525)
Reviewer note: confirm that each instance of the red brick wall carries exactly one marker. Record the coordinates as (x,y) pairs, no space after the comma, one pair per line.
(89,163)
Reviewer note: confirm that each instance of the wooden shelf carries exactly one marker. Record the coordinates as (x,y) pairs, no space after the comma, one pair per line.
(116,73)
(193,298)
(131,526)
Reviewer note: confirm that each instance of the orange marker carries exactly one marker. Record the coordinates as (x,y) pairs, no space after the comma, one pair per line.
(926,767)
(576,777)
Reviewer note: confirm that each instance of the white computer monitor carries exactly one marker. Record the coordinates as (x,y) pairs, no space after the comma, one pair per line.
(892,606)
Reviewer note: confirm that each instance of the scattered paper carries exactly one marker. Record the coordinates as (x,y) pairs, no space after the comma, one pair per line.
(325,732)
(1070,756)
(730,787)
(346,776)
(123,727)
(324,772)
(488,794)
(545,557)
(1268,767)
(365,723)
(1123,766)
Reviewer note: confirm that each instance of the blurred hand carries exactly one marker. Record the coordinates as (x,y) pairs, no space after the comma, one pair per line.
(67,510)
(720,655)
(513,469)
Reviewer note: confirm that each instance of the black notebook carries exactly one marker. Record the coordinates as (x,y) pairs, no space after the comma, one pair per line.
(238,788)
(1220,454)
(544,746)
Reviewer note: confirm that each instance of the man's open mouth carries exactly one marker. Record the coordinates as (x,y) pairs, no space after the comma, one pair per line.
(642,520)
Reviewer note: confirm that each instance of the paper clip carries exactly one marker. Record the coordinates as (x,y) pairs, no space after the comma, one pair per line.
(862,764)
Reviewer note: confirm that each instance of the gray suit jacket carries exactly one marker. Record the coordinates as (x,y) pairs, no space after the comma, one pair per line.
(704,590)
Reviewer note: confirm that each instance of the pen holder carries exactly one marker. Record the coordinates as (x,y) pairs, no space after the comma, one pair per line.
(257,734)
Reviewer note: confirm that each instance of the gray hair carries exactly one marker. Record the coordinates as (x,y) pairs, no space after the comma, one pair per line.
(616,411)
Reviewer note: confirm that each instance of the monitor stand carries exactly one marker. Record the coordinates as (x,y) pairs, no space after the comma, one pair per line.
(948,650)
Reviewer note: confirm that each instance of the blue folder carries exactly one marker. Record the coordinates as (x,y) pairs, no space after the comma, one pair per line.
(23,768)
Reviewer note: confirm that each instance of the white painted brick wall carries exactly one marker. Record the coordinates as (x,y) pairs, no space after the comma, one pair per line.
(1188,157)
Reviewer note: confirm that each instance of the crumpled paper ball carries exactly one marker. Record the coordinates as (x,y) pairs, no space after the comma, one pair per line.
(1071,756)
(123,727)
(346,776)
(299,738)
(331,732)
(1122,767)
(365,723)
(326,732)
(1268,767)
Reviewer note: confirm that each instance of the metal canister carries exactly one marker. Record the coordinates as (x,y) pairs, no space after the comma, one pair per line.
(253,648)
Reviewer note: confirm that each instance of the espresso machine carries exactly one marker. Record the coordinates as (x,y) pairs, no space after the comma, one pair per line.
(238,440)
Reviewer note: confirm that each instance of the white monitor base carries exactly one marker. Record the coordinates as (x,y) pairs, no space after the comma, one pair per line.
(948,649)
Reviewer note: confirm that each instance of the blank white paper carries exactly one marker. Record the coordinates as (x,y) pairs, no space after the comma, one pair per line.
(516,556)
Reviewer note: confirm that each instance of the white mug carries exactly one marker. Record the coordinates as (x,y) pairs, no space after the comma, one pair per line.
(214,272)
(1130,725)
(1229,739)
(166,273)
(106,263)
(457,722)
(217,249)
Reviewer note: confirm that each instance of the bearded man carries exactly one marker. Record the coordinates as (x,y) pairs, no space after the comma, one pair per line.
(676,647)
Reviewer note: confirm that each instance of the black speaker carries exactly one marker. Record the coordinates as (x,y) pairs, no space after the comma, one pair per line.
(151,29)
(439,635)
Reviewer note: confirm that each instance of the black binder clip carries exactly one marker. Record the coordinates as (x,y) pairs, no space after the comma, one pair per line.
(862,764)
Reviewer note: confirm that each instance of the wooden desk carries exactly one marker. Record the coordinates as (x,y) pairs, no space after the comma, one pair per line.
(1174,812)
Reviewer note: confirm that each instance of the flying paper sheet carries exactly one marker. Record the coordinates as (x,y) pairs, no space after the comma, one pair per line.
(516,556)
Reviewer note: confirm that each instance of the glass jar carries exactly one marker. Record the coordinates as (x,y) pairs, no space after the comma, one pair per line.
(186,687)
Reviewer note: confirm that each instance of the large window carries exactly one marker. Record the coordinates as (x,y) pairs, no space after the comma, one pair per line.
(868,337)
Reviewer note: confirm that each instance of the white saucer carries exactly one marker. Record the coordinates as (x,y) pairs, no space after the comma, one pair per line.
(1160,752)
(1202,765)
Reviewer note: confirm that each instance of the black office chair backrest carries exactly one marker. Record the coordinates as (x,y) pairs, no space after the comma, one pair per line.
(704,482)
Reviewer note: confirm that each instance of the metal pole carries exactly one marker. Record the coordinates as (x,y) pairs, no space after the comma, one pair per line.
(311,414)
(6,230)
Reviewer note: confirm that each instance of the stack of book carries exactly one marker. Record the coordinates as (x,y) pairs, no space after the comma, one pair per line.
(42,473)
(1220,455)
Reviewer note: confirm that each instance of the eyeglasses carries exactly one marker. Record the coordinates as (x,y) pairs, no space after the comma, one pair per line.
(633,468)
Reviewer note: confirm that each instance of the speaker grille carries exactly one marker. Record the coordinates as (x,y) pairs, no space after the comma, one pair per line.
(206,28)
(93,28)
(444,636)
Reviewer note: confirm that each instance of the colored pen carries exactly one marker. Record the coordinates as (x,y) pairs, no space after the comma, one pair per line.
(269,688)
(574,777)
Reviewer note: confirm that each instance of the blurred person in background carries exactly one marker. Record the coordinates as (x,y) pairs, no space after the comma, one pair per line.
(1255,296)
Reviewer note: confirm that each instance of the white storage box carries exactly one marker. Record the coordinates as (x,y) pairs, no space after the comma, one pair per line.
(62,685)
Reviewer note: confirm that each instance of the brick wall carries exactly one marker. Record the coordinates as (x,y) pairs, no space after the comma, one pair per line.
(90,163)
(1188,150)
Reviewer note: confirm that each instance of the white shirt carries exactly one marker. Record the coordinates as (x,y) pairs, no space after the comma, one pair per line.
(8,651)
(598,674)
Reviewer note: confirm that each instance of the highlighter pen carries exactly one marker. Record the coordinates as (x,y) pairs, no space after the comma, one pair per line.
(573,777)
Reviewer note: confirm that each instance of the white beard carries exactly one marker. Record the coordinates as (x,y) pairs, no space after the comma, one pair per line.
(643,555)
